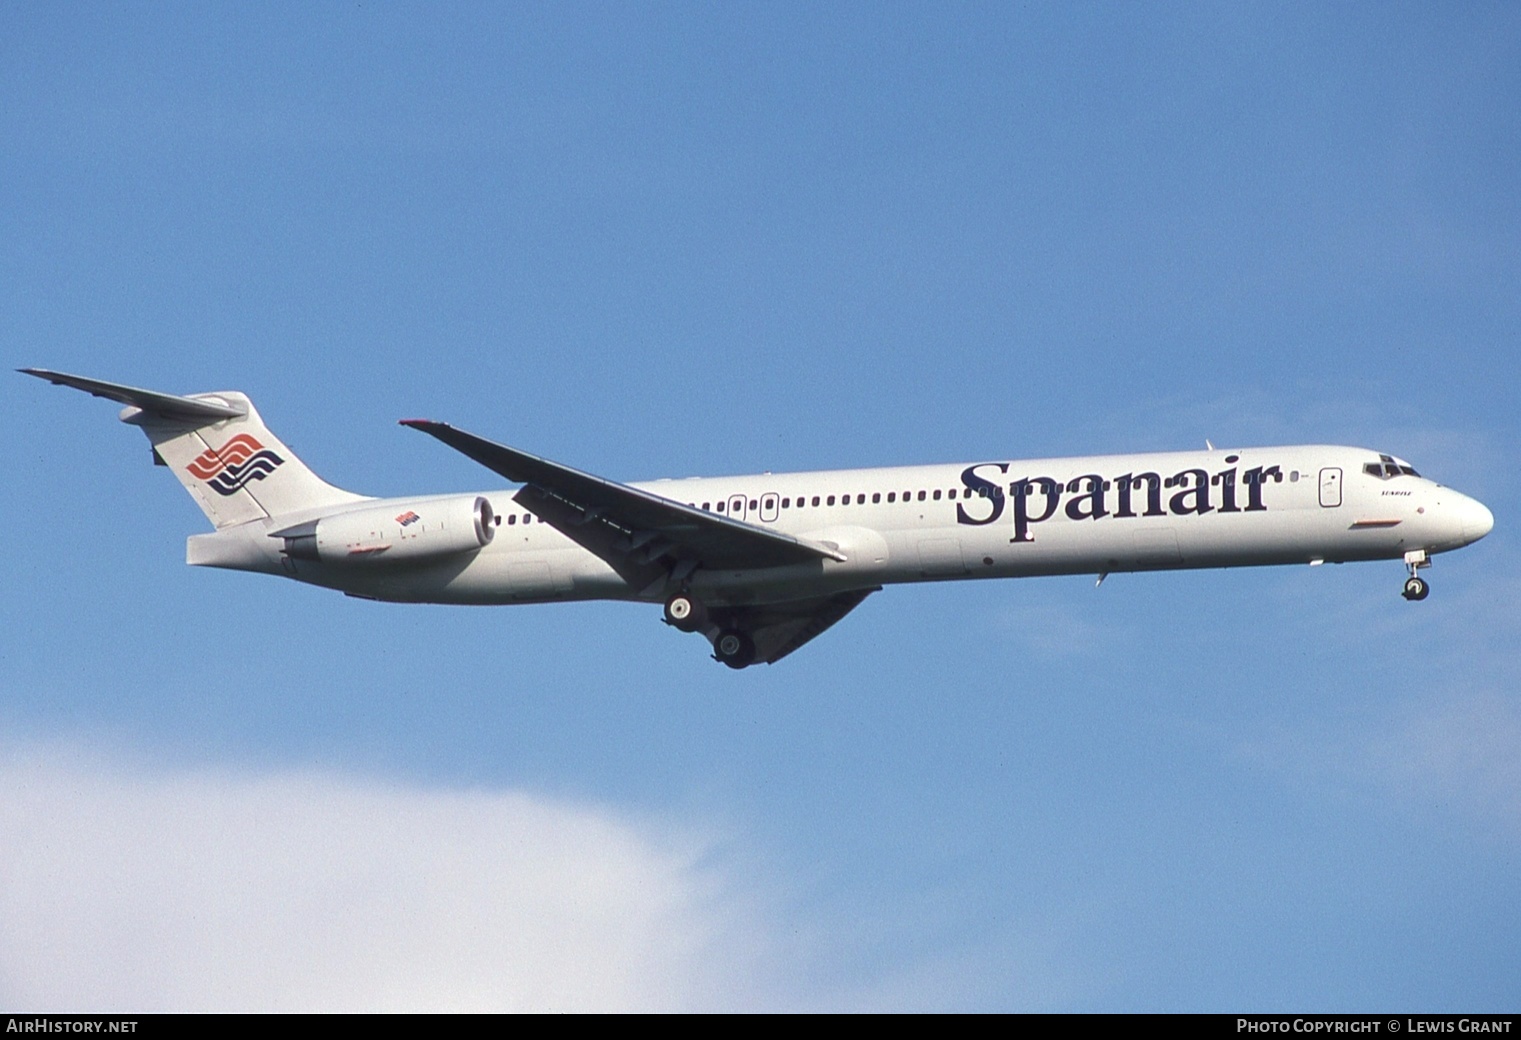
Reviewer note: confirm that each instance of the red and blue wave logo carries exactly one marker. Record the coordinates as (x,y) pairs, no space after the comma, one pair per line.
(234,464)
(409,517)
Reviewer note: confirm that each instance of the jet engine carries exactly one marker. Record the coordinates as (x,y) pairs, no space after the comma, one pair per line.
(402,529)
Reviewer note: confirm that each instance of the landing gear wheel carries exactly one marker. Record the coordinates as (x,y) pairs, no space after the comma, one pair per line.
(1416,589)
(734,649)
(685,613)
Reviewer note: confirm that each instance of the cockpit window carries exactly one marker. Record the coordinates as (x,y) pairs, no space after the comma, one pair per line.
(1388,467)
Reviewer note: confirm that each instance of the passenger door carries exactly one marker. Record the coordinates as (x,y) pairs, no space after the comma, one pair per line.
(1330,487)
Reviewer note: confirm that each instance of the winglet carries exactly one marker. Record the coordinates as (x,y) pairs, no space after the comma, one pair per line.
(169,406)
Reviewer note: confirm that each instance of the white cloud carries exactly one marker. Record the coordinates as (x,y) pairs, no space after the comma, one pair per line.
(128,889)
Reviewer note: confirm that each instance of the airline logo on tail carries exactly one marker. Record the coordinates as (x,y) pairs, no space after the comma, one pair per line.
(234,464)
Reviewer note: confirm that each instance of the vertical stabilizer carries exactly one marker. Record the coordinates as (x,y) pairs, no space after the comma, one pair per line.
(236,469)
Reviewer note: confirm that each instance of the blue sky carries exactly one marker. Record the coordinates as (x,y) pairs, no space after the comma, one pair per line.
(666,240)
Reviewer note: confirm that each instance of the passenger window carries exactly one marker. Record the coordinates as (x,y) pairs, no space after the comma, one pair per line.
(831,500)
(511,520)
(815,500)
(921,496)
(720,507)
(876,497)
(892,496)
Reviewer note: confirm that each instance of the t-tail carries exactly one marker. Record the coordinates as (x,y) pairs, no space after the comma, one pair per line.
(219,448)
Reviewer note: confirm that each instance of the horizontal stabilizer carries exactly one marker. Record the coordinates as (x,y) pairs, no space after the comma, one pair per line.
(167,406)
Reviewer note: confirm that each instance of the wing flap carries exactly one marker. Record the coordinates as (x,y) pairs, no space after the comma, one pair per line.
(780,628)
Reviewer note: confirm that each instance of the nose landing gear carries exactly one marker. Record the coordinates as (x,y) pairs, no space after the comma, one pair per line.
(1416,588)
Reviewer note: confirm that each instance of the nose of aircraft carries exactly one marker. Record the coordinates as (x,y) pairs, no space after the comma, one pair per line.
(1476,518)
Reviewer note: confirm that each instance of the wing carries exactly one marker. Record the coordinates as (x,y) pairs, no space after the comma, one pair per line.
(642,536)
(780,628)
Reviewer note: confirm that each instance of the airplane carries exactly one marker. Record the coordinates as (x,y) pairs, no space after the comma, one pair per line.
(760,565)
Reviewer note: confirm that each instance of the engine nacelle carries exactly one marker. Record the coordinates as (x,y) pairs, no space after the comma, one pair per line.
(402,530)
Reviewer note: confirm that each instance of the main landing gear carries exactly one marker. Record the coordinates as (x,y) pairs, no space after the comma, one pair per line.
(685,613)
(734,648)
(1416,588)
(731,646)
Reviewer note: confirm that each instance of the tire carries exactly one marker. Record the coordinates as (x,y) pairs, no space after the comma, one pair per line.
(1416,589)
(734,648)
(685,613)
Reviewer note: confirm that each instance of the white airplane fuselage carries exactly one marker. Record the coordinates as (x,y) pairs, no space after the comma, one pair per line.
(1255,507)
(761,565)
